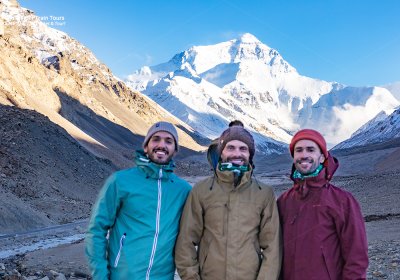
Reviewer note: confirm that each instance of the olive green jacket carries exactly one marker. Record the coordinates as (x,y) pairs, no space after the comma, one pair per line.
(229,232)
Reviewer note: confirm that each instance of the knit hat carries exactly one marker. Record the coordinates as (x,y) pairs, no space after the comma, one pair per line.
(162,126)
(236,133)
(309,134)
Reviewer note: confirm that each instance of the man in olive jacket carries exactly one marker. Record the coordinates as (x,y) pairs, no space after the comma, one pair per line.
(230,224)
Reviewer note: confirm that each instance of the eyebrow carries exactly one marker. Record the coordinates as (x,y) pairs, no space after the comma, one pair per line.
(308,147)
(160,137)
(240,147)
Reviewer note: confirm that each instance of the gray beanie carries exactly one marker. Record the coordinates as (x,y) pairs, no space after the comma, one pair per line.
(162,126)
(237,133)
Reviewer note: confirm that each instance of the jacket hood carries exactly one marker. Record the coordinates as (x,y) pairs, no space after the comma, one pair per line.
(212,154)
(302,186)
(151,168)
(331,164)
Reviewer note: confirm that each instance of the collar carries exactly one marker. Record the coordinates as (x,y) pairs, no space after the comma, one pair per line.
(298,175)
(152,169)
(227,177)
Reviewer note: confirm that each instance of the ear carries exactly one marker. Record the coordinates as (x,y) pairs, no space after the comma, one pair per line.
(322,158)
(145,149)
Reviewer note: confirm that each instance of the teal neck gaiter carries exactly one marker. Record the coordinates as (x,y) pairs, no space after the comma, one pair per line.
(298,175)
(238,170)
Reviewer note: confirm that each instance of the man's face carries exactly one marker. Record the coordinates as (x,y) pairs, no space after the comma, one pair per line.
(161,147)
(307,156)
(236,152)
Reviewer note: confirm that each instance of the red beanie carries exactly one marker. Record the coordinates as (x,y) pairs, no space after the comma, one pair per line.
(309,134)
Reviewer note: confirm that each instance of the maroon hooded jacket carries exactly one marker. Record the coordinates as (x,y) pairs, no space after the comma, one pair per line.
(323,230)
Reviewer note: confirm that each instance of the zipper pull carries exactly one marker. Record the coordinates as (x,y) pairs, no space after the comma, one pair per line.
(121,244)
(121,241)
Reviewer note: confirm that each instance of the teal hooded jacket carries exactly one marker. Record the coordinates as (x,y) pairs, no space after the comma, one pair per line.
(135,221)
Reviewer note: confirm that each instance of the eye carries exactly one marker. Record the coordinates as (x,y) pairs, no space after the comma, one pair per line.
(155,138)
(244,149)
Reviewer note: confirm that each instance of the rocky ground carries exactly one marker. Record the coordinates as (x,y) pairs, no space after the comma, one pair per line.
(379,204)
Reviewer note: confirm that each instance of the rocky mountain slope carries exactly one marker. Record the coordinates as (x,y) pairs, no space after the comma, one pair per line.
(65,124)
(46,70)
(46,177)
(383,129)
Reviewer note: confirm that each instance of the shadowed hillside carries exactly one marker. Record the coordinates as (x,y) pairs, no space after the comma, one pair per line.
(46,176)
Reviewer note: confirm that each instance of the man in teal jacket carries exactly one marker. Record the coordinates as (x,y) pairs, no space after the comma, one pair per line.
(135,220)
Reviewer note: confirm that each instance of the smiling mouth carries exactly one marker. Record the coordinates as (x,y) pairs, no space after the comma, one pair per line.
(161,152)
(305,161)
(237,161)
(304,164)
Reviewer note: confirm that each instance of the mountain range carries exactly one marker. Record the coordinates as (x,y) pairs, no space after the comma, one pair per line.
(200,90)
(207,86)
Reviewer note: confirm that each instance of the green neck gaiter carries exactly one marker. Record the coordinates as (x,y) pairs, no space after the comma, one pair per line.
(298,175)
(237,170)
(228,166)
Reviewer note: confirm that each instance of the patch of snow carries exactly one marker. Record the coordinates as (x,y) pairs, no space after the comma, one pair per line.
(42,244)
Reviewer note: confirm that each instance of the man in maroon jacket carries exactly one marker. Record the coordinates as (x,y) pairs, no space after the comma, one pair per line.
(323,228)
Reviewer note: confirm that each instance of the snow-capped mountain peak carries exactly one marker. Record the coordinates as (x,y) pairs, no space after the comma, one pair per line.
(245,48)
(248,38)
(243,78)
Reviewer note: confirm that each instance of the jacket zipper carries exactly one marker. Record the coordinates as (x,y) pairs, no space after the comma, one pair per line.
(121,244)
(153,251)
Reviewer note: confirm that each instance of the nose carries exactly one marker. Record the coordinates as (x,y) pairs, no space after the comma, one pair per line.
(303,153)
(163,143)
(236,152)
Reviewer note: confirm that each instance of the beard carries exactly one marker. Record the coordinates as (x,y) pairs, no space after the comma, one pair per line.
(160,158)
(237,160)
(306,165)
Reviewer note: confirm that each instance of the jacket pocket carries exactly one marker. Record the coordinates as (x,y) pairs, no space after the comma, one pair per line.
(203,252)
(328,265)
(215,217)
(121,245)
(258,250)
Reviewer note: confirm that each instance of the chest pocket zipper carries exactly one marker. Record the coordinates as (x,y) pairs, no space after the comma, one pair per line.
(121,244)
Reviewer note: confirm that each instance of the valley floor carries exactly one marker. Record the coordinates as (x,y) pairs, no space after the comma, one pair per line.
(378,196)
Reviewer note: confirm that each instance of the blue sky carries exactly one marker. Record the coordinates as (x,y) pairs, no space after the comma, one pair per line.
(354,42)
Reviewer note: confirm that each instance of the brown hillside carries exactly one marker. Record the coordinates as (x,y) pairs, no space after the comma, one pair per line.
(46,177)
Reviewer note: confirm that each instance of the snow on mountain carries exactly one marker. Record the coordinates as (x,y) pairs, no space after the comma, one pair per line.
(394,88)
(383,127)
(207,86)
(340,112)
(46,42)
